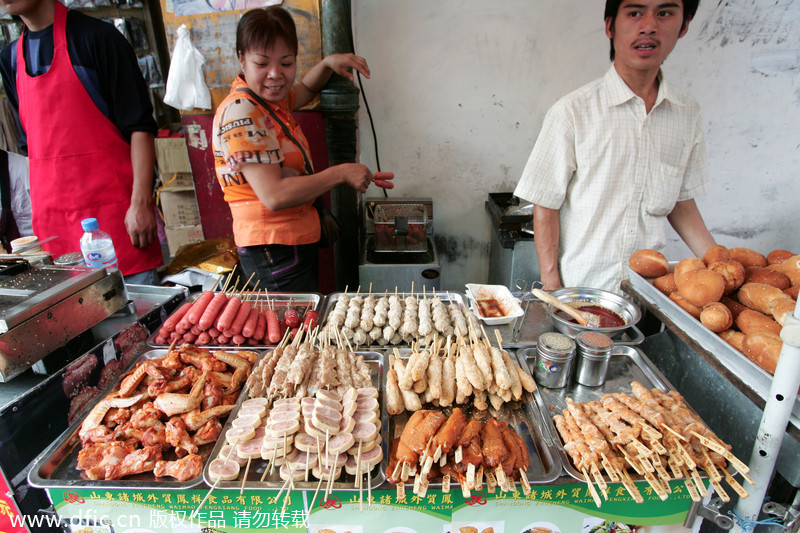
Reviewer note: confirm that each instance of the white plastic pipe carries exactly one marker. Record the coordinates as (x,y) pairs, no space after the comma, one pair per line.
(774,419)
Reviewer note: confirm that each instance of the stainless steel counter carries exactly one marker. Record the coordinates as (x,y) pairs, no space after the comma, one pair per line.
(729,400)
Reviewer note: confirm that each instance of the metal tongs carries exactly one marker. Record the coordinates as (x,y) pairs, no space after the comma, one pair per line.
(525,296)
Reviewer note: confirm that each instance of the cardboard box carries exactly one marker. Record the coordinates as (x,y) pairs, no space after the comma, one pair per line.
(179,207)
(178,236)
(172,155)
(176,180)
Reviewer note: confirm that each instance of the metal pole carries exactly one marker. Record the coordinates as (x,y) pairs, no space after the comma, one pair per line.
(339,101)
(774,419)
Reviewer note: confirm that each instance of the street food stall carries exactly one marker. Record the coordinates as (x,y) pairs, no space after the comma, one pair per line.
(306,436)
(394,410)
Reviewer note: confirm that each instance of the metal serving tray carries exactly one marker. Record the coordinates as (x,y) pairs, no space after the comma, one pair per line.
(446,296)
(280,302)
(273,480)
(525,417)
(752,376)
(627,364)
(56,466)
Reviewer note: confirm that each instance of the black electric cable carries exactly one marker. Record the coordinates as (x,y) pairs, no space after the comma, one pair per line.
(364,97)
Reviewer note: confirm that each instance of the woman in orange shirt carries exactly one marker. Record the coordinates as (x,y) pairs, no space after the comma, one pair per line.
(262,158)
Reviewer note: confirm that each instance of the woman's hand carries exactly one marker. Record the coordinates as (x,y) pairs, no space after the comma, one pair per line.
(356,175)
(342,63)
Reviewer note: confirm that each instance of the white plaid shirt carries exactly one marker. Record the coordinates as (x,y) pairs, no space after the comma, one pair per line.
(615,173)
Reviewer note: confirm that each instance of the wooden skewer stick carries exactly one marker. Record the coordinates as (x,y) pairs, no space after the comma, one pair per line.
(244,477)
(446,483)
(735,485)
(656,484)
(690,486)
(641,448)
(723,494)
(316,491)
(598,478)
(208,494)
(478,483)
(662,473)
(397,468)
(610,469)
(656,446)
(417,485)
(285,483)
(735,461)
(634,464)
(358,463)
(674,465)
(500,475)
(647,466)
(470,475)
(523,481)
(491,482)
(595,496)
(674,433)
(687,459)
(627,482)
(709,467)
(701,487)
(369,488)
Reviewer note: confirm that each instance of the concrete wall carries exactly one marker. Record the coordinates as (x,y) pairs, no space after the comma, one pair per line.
(459,90)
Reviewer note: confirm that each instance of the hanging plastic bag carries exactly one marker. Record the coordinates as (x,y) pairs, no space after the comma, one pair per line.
(186,86)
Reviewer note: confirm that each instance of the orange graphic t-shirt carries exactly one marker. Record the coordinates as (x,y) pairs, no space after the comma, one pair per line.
(244,132)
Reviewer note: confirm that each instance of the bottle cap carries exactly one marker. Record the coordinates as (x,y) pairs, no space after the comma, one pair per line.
(89,224)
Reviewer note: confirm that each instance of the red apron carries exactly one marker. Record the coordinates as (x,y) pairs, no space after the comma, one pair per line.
(80,165)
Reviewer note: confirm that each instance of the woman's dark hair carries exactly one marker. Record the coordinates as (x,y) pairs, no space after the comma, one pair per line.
(260,28)
(612,8)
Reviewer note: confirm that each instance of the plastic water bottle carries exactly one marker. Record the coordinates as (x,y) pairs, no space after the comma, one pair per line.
(97,247)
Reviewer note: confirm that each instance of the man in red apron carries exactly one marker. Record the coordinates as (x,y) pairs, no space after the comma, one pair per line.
(81,165)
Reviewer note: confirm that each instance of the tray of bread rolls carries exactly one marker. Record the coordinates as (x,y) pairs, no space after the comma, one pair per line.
(727,330)
(311,419)
(367,320)
(154,428)
(461,415)
(634,427)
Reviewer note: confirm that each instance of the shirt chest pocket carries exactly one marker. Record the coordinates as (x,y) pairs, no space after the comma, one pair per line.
(662,188)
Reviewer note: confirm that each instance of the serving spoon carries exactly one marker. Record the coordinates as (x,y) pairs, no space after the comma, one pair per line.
(584,319)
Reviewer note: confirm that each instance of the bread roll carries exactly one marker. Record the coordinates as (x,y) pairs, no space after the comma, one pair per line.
(749,321)
(688,265)
(733,305)
(701,286)
(666,283)
(780,307)
(768,276)
(748,257)
(685,304)
(716,254)
(793,291)
(778,256)
(716,317)
(648,263)
(759,296)
(763,348)
(790,267)
(732,272)
(734,338)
